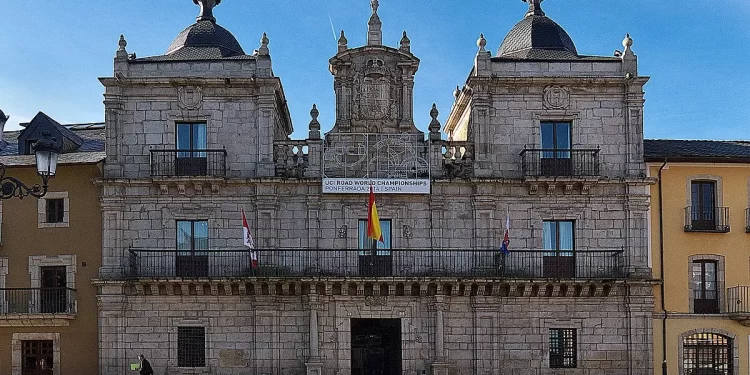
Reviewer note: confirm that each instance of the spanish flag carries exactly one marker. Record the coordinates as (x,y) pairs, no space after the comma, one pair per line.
(373,222)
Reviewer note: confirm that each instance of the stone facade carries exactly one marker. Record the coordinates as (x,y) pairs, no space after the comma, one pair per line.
(474,313)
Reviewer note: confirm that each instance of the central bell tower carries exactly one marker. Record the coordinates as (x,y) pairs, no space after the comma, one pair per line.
(374,84)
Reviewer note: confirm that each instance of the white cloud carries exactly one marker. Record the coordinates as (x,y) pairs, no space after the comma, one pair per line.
(13,122)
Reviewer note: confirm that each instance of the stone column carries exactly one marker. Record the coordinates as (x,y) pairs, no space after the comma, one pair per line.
(440,366)
(314,364)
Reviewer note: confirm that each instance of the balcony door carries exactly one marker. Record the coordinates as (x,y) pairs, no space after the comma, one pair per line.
(379,262)
(556,144)
(192,248)
(559,260)
(53,296)
(191,155)
(705,287)
(703,210)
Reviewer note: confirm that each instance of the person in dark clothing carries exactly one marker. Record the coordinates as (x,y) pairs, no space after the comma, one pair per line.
(145,366)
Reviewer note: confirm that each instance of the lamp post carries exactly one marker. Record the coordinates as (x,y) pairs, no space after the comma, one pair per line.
(46,151)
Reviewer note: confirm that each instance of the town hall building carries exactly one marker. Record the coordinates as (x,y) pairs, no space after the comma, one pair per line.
(541,139)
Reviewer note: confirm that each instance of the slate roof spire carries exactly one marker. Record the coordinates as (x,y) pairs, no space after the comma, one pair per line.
(207,10)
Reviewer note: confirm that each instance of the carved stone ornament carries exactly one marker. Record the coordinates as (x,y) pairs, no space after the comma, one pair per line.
(374,96)
(556,97)
(190,97)
(376,301)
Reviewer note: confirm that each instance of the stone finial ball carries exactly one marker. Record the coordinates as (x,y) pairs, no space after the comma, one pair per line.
(481,42)
(628,41)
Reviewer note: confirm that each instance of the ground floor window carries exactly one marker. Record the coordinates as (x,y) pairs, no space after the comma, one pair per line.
(191,347)
(562,348)
(707,354)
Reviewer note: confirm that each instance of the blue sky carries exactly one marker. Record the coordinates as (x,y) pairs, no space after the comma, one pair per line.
(696,51)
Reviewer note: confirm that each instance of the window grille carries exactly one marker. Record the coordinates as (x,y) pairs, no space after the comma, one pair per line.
(707,354)
(191,347)
(562,348)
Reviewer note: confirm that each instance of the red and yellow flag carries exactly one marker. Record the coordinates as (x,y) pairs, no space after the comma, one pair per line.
(373,222)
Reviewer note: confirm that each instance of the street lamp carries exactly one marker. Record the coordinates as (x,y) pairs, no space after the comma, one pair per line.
(46,151)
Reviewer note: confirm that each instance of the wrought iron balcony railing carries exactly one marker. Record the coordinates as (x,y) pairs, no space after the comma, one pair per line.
(303,263)
(560,162)
(37,301)
(184,163)
(707,219)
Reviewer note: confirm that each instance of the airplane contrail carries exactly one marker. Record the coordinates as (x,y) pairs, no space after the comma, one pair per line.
(333,29)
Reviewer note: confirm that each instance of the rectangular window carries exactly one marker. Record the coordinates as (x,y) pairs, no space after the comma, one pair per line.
(55,210)
(191,347)
(192,248)
(379,263)
(192,159)
(562,348)
(191,136)
(703,210)
(705,287)
(365,243)
(556,143)
(559,249)
(558,237)
(556,136)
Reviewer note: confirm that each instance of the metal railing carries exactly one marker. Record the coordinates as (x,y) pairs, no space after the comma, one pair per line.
(300,263)
(37,301)
(707,219)
(560,162)
(747,220)
(183,163)
(738,299)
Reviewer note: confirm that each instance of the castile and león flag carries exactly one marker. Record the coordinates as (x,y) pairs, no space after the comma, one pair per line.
(247,239)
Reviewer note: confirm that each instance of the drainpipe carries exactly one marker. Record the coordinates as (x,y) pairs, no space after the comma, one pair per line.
(661,268)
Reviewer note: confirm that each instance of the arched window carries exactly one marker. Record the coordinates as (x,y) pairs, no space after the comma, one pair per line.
(707,354)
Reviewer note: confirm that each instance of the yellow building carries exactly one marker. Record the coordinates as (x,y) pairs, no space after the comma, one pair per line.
(699,228)
(50,249)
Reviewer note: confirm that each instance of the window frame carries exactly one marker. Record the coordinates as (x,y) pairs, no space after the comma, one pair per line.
(55,210)
(190,150)
(383,247)
(557,251)
(703,291)
(563,348)
(729,346)
(42,210)
(565,153)
(183,359)
(193,248)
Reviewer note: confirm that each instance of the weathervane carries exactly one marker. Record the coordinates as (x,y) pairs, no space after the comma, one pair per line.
(535,7)
(207,9)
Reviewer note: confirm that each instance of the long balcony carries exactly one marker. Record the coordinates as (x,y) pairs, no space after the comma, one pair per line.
(560,162)
(738,304)
(310,263)
(707,219)
(37,301)
(188,163)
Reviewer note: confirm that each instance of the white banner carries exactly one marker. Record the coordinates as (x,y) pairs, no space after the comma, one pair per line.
(380,186)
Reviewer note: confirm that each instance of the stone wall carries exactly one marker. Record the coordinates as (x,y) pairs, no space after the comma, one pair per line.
(296,216)
(494,332)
